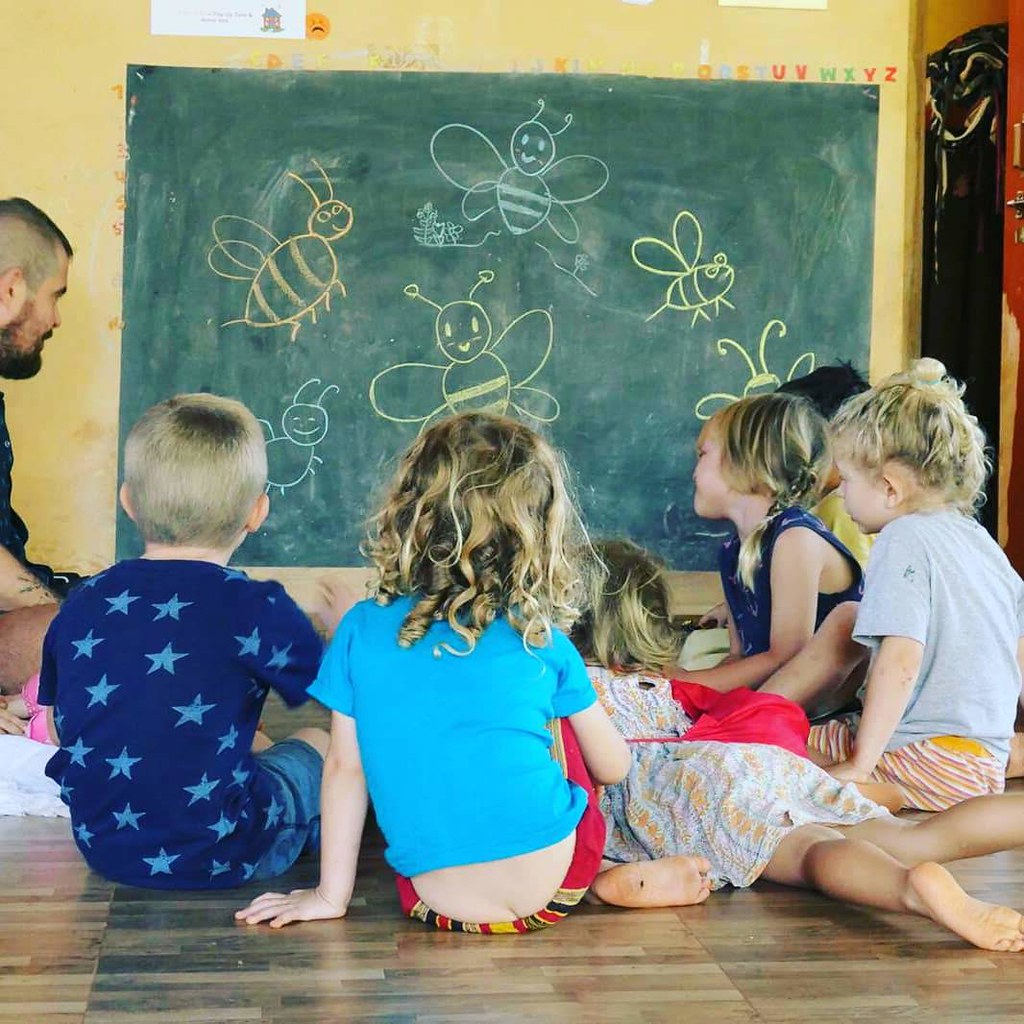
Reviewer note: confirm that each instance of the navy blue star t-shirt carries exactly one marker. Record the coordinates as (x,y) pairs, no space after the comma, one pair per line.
(157,672)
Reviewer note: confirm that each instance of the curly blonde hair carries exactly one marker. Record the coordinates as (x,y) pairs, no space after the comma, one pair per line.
(478,523)
(918,419)
(627,625)
(777,446)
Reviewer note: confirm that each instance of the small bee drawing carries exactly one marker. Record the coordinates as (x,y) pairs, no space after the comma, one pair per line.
(695,286)
(763,378)
(292,278)
(290,454)
(476,374)
(532,190)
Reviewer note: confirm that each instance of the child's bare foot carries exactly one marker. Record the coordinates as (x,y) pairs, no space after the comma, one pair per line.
(887,794)
(986,925)
(1015,766)
(670,882)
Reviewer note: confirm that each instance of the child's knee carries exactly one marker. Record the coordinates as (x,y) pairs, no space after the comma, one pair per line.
(318,739)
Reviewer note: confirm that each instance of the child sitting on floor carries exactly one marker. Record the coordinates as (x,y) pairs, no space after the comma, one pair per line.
(478,551)
(754,810)
(157,669)
(943,610)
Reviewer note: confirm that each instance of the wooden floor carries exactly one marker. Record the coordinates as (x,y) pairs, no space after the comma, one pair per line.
(75,948)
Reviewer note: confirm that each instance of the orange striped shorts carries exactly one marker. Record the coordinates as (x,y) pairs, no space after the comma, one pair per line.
(934,774)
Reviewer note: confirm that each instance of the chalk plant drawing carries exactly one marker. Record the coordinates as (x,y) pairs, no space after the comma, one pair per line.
(528,191)
(477,372)
(696,284)
(760,376)
(291,455)
(292,278)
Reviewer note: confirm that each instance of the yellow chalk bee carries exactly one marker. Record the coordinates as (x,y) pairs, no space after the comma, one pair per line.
(291,279)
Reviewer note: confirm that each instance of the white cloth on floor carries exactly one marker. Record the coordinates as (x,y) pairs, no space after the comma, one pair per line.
(24,788)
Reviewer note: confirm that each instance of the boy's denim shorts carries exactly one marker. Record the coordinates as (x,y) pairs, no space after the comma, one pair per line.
(296,769)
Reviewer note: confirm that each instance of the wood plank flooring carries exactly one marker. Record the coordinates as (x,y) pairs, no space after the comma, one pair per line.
(74,948)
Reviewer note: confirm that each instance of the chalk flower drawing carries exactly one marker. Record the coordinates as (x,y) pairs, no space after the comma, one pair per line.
(291,278)
(759,377)
(477,373)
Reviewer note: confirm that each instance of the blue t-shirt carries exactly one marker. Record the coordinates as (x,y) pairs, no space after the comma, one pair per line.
(752,609)
(157,672)
(456,749)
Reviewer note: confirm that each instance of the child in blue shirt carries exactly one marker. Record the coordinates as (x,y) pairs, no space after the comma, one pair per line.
(157,670)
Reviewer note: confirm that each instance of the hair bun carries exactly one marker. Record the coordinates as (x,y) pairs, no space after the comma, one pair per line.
(927,370)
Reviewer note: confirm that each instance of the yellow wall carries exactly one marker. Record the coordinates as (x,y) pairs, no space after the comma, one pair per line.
(944,20)
(63,122)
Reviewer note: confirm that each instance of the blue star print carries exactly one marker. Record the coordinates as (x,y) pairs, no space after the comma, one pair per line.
(121,602)
(161,863)
(217,868)
(279,657)
(170,608)
(249,644)
(202,789)
(234,574)
(239,775)
(122,764)
(84,835)
(273,813)
(165,659)
(99,693)
(227,741)
(192,712)
(128,817)
(223,826)
(85,645)
(78,752)
(248,870)
(66,791)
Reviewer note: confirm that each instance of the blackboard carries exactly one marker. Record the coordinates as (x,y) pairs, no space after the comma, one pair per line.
(606,256)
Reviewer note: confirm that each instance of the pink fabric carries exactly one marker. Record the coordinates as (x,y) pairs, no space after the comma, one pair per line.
(37,726)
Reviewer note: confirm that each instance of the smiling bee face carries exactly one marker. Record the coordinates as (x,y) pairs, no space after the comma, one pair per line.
(463,330)
(330,220)
(533,148)
(304,423)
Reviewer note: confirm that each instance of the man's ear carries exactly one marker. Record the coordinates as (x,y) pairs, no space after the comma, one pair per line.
(125,497)
(259,512)
(13,294)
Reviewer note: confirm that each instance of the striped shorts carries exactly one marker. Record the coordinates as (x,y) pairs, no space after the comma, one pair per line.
(934,774)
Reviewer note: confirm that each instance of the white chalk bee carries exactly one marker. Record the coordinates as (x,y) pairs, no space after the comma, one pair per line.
(291,455)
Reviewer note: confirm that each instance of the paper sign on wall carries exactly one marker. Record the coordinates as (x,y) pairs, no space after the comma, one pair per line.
(253,19)
(799,5)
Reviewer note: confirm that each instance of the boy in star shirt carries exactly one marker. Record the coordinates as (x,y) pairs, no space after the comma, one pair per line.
(157,670)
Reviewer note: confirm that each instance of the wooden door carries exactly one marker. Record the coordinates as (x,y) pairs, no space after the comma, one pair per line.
(1011,455)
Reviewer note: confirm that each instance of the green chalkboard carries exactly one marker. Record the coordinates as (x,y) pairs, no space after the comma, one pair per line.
(610,258)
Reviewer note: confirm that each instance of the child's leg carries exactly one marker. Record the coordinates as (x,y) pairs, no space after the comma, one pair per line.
(669,882)
(857,871)
(826,663)
(1015,766)
(21,644)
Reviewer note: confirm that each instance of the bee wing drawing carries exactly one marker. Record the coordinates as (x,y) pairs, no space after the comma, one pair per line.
(465,157)
(710,404)
(525,345)
(576,178)
(658,257)
(241,246)
(408,392)
(535,403)
(796,371)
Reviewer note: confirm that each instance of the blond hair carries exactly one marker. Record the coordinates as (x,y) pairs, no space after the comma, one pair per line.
(776,446)
(194,466)
(918,419)
(478,523)
(627,625)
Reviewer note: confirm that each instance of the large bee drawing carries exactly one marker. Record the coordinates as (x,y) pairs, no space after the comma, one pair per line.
(530,189)
(477,373)
(759,378)
(291,455)
(291,279)
(695,285)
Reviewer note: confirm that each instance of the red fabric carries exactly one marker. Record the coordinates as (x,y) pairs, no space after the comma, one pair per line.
(742,716)
(586,858)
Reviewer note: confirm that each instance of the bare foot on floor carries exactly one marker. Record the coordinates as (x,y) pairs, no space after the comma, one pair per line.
(888,794)
(670,882)
(986,925)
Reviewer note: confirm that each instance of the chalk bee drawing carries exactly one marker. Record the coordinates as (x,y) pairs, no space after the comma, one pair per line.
(530,190)
(292,278)
(291,455)
(695,285)
(759,378)
(478,373)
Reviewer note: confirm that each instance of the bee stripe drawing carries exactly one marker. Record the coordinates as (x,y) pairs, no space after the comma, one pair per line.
(763,378)
(291,279)
(695,286)
(475,375)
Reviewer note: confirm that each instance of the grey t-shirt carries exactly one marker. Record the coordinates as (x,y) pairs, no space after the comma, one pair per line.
(940,579)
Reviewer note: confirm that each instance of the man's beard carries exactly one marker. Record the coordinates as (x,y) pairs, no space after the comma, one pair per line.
(17,363)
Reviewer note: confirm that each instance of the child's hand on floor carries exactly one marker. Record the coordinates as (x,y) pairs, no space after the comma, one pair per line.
(298,905)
